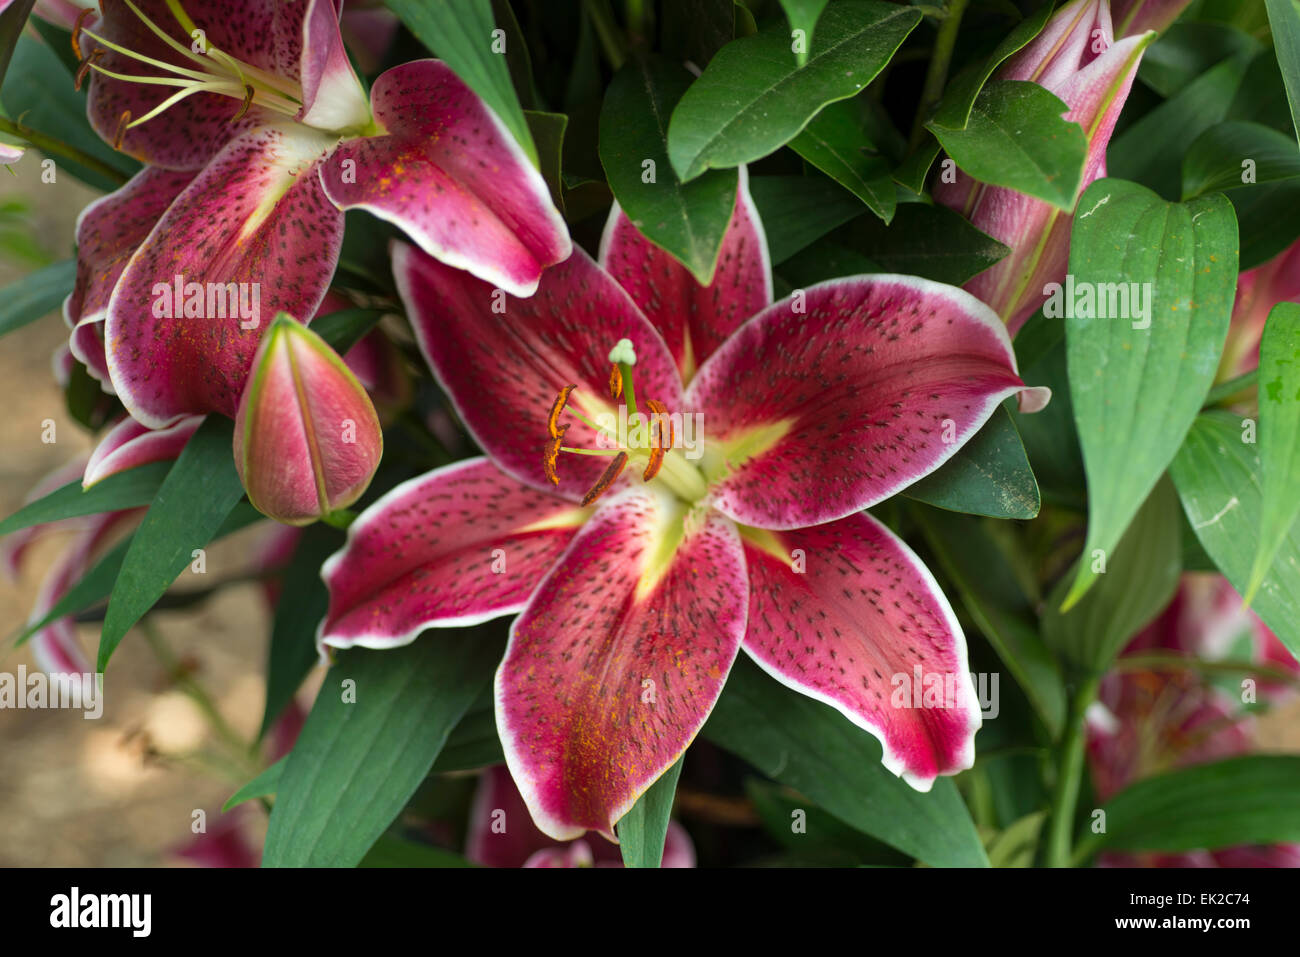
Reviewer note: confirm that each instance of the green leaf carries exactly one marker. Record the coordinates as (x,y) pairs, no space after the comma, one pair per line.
(1241,800)
(263,785)
(1017,136)
(959,98)
(643,830)
(192,503)
(473,744)
(911,173)
(1188,49)
(816,750)
(1137,381)
(1217,472)
(1279,436)
(12,21)
(548,133)
(358,761)
(394,852)
(129,489)
(696,30)
(929,241)
(1141,576)
(36,295)
(838,144)
(753,98)
(344,329)
(1148,151)
(688,220)
(303,602)
(798,210)
(1284,19)
(38,92)
(989,475)
(1216,161)
(803,15)
(460,32)
(992,597)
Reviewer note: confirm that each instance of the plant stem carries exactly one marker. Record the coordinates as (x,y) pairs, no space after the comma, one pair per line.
(50,145)
(1069,774)
(1230,388)
(611,37)
(937,74)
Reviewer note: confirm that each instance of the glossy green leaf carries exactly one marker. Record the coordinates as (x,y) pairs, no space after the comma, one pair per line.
(798,210)
(461,33)
(1242,800)
(988,589)
(1279,436)
(989,475)
(548,133)
(959,97)
(688,220)
(1236,156)
(837,143)
(912,172)
(643,830)
(1188,49)
(473,744)
(129,489)
(1138,376)
(192,503)
(1140,577)
(1017,136)
(1217,472)
(379,721)
(263,785)
(816,750)
(930,241)
(12,21)
(391,851)
(1284,19)
(753,98)
(345,328)
(802,15)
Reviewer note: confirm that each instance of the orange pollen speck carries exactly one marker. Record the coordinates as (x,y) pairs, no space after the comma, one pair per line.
(615,381)
(553,420)
(551,454)
(607,478)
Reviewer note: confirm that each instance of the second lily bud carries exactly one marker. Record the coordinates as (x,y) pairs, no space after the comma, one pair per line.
(307,439)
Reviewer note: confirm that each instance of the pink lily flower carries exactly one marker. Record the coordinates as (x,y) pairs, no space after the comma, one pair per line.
(502,834)
(1078,58)
(774,425)
(1138,16)
(10,154)
(307,438)
(277,138)
(1258,291)
(1145,723)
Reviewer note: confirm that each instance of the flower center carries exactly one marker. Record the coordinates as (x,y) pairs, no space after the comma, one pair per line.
(630,436)
(206,70)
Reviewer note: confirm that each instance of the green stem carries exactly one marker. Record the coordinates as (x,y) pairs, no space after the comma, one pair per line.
(1069,775)
(50,145)
(937,74)
(611,37)
(1230,388)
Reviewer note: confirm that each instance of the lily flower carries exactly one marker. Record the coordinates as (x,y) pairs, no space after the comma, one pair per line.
(257,102)
(771,427)
(307,439)
(1258,291)
(1077,58)
(1147,722)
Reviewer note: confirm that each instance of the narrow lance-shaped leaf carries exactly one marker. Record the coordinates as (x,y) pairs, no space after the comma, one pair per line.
(1279,436)
(686,219)
(35,295)
(642,830)
(1284,19)
(1146,305)
(802,15)
(754,98)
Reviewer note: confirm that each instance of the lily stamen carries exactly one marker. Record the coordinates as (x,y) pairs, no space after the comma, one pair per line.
(607,478)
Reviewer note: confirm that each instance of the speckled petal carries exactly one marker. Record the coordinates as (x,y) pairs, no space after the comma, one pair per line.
(823,413)
(618,659)
(456,546)
(503,360)
(130,444)
(452,177)
(333,98)
(846,614)
(254,216)
(693,319)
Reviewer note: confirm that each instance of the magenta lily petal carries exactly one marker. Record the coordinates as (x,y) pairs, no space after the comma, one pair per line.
(129,444)
(333,98)
(452,177)
(863,627)
(1258,290)
(14,545)
(693,319)
(255,216)
(616,662)
(503,369)
(813,417)
(307,438)
(459,545)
